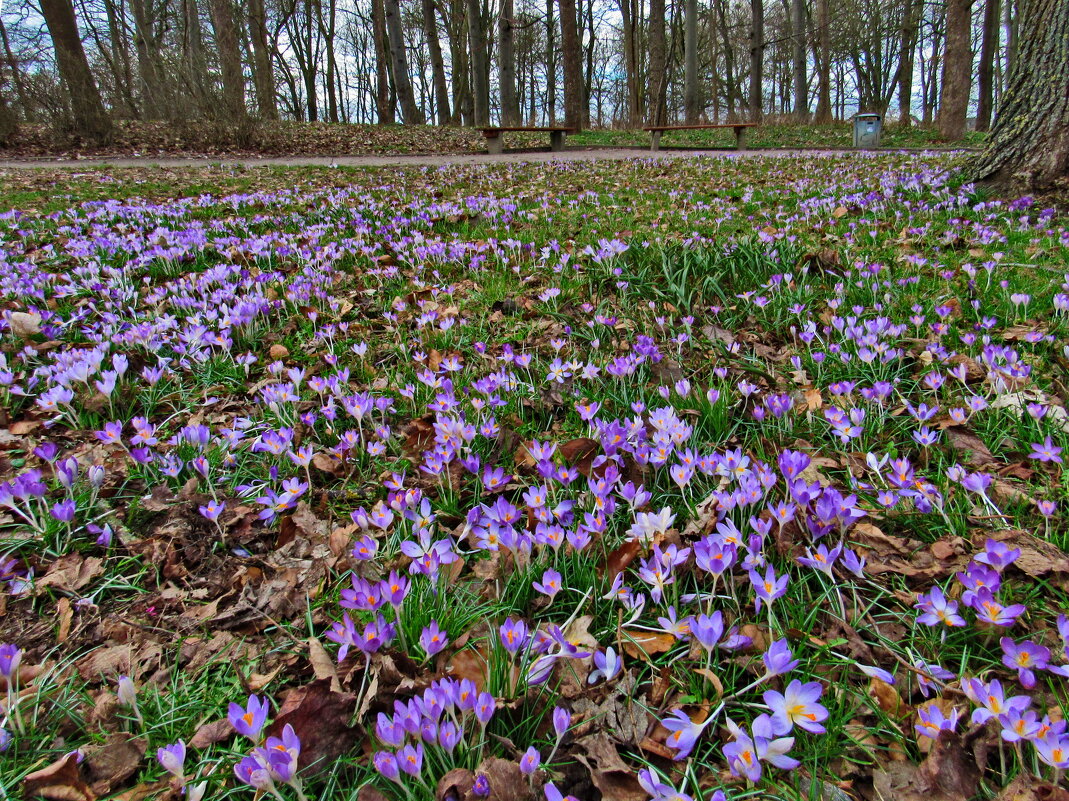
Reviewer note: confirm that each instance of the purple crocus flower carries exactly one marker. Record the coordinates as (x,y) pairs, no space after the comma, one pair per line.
(530,761)
(562,719)
(433,639)
(172,758)
(684,733)
(249,721)
(386,764)
(254,773)
(1024,657)
(997,554)
(936,608)
(778,659)
(1046,451)
(410,759)
(606,665)
(10,657)
(550,584)
(797,706)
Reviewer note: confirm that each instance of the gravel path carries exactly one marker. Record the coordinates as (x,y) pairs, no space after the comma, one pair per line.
(396,161)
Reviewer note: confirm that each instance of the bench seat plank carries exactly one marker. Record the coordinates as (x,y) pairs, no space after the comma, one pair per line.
(495,144)
(738,127)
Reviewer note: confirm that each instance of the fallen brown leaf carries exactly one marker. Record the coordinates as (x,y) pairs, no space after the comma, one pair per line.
(60,781)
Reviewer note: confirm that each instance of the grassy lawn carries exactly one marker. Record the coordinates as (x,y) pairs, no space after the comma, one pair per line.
(621,480)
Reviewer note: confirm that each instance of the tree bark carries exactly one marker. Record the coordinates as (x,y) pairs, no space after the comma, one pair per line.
(798,51)
(154,105)
(957,70)
(692,100)
(551,66)
(985,77)
(480,70)
(89,116)
(262,74)
(434,49)
(384,107)
(823,60)
(510,107)
(634,96)
(906,50)
(226,44)
(410,112)
(573,65)
(757,59)
(658,78)
(1028,149)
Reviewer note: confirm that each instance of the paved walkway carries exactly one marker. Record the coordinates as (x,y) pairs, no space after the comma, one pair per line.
(397,161)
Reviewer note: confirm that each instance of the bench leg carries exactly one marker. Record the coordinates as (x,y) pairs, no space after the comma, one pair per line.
(556,141)
(655,144)
(495,145)
(740,138)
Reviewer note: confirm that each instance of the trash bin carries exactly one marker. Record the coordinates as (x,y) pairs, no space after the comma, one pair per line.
(867,130)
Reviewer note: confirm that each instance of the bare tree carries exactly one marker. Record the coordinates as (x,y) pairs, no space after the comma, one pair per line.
(480,68)
(985,76)
(434,49)
(798,51)
(757,59)
(692,102)
(957,70)
(573,69)
(263,75)
(658,104)
(226,44)
(89,117)
(410,112)
(1028,149)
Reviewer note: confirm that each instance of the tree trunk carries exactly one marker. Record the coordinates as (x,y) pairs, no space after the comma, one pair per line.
(262,75)
(384,107)
(658,78)
(823,60)
(573,65)
(985,77)
(692,101)
(154,105)
(906,50)
(226,43)
(757,59)
(510,107)
(798,51)
(90,119)
(957,70)
(458,56)
(194,64)
(551,66)
(480,70)
(9,123)
(634,101)
(410,112)
(434,49)
(1028,149)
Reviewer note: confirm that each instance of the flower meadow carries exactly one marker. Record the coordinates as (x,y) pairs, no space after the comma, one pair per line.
(704,479)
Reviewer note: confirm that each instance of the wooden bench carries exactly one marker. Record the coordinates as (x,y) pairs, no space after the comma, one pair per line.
(495,143)
(738,127)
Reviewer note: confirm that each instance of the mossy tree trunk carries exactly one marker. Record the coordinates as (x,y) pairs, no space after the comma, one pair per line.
(1028,149)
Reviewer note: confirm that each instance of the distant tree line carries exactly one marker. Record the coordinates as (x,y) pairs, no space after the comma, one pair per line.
(84,63)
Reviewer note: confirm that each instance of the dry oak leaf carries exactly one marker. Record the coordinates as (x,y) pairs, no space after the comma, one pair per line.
(321,719)
(115,761)
(645,644)
(949,773)
(1030,788)
(60,781)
